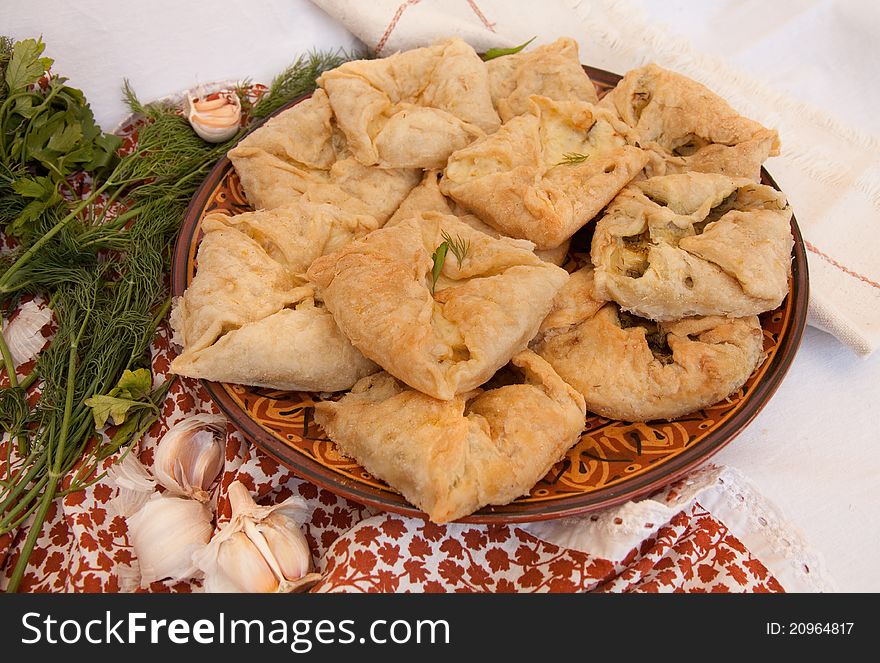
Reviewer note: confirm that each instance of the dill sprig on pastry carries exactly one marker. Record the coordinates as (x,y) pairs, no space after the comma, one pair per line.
(571,158)
(459,248)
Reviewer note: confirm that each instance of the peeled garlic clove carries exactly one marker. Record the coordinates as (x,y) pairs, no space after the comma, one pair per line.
(217,118)
(242,563)
(165,534)
(275,542)
(189,456)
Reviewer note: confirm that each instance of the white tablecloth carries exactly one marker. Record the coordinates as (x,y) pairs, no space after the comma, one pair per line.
(812,449)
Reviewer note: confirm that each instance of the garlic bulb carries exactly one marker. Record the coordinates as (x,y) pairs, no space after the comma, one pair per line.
(261,549)
(24,335)
(166,533)
(215,117)
(189,456)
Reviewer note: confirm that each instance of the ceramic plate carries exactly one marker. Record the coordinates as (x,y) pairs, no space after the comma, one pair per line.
(612,462)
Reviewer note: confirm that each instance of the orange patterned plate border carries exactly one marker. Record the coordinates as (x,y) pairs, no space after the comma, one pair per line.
(612,462)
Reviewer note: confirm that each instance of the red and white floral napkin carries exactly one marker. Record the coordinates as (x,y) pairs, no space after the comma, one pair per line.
(711,532)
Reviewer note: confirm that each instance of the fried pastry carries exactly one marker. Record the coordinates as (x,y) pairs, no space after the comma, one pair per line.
(545,174)
(412,109)
(442,336)
(687,127)
(553,70)
(427,197)
(299,153)
(633,369)
(694,244)
(249,316)
(452,457)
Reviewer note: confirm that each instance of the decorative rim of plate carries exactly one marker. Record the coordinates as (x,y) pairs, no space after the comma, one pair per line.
(649,481)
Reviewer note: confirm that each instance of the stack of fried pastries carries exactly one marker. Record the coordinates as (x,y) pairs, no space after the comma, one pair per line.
(411,222)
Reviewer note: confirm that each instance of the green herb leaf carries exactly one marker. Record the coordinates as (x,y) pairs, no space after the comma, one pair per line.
(439,257)
(571,158)
(26,66)
(493,53)
(104,407)
(135,384)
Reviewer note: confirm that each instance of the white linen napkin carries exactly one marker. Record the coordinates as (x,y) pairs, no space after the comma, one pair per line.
(830,171)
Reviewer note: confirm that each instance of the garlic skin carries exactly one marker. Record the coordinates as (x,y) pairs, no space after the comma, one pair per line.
(189,456)
(165,534)
(261,549)
(134,482)
(215,117)
(24,334)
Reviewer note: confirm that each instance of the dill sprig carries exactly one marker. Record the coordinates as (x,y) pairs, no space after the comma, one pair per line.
(457,245)
(571,158)
(459,248)
(298,79)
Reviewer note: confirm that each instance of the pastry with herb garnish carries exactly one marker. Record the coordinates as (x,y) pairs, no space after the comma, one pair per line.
(427,197)
(437,304)
(687,127)
(250,317)
(545,174)
(694,244)
(301,153)
(633,369)
(414,108)
(552,70)
(452,457)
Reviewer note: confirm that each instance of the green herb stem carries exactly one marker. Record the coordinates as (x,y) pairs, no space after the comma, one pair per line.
(8,362)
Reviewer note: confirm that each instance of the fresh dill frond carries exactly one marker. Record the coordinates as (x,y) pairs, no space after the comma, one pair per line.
(571,158)
(298,79)
(458,246)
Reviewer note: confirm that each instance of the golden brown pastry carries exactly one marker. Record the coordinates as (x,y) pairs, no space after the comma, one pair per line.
(632,369)
(552,70)
(427,197)
(452,457)
(445,340)
(687,127)
(249,316)
(694,244)
(299,153)
(412,109)
(545,174)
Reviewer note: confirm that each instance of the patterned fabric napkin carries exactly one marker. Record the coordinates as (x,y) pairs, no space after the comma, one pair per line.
(711,532)
(829,171)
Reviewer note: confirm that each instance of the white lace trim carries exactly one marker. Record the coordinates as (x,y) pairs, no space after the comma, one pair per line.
(729,497)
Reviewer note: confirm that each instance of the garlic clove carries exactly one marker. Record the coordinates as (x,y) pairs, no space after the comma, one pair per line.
(287,545)
(214,118)
(241,562)
(165,534)
(274,535)
(189,456)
